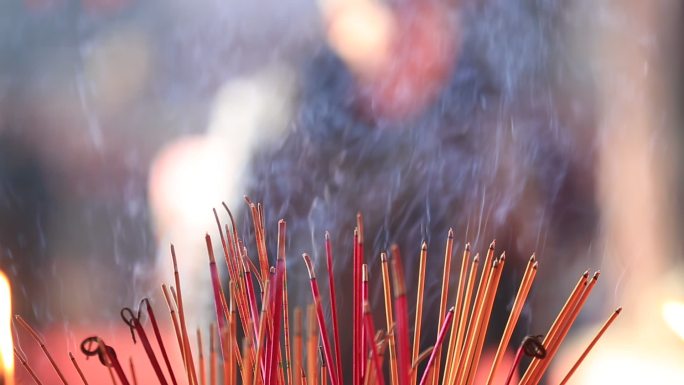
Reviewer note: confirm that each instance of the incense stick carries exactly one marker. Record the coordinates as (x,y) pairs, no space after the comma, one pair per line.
(40,342)
(333,307)
(443,301)
(212,355)
(370,335)
(453,340)
(321,318)
(440,338)
(520,298)
(27,367)
(417,325)
(387,291)
(593,342)
(78,369)
(190,365)
(132,367)
(401,312)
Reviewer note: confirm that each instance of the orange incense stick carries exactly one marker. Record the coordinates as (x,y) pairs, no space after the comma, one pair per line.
(298,353)
(190,365)
(311,344)
(387,291)
(476,324)
(451,351)
(443,301)
(598,336)
(565,327)
(40,342)
(487,312)
(286,328)
(520,298)
(453,365)
(417,325)
(259,369)
(557,323)
(174,319)
(333,307)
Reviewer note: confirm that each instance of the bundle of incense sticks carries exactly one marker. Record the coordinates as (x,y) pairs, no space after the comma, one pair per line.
(252,331)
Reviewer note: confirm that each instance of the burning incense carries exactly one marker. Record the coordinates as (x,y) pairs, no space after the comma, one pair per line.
(27,367)
(255,354)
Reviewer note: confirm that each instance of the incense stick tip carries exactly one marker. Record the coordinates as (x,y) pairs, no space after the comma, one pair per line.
(467,247)
(309,265)
(597,274)
(327,235)
(451,233)
(383,257)
(492,245)
(423,246)
(618,310)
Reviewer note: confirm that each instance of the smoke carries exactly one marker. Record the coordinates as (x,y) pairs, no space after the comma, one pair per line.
(503,152)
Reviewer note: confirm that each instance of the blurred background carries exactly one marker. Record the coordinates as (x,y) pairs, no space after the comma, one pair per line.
(552,126)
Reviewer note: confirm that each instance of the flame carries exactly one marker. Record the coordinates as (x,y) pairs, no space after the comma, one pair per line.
(6,350)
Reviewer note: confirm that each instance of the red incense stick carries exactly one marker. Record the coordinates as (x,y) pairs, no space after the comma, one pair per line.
(369,327)
(401,317)
(333,305)
(438,343)
(321,319)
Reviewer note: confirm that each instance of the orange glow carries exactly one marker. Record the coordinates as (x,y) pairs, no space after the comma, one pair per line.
(6,352)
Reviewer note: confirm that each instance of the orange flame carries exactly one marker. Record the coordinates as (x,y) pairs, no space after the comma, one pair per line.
(6,351)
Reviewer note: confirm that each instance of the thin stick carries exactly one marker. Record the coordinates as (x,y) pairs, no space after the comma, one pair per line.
(261,342)
(160,340)
(440,338)
(475,325)
(323,366)
(286,327)
(451,347)
(133,376)
(443,301)
(557,323)
(298,353)
(560,336)
(212,355)
(356,315)
(27,367)
(321,318)
(78,369)
(40,342)
(520,298)
(190,365)
(370,335)
(466,358)
(401,313)
(381,343)
(311,344)
(487,313)
(417,325)
(217,287)
(598,336)
(463,320)
(333,307)
(389,318)
(200,365)
(271,374)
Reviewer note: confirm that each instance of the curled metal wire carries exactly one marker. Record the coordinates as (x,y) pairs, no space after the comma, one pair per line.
(533,346)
